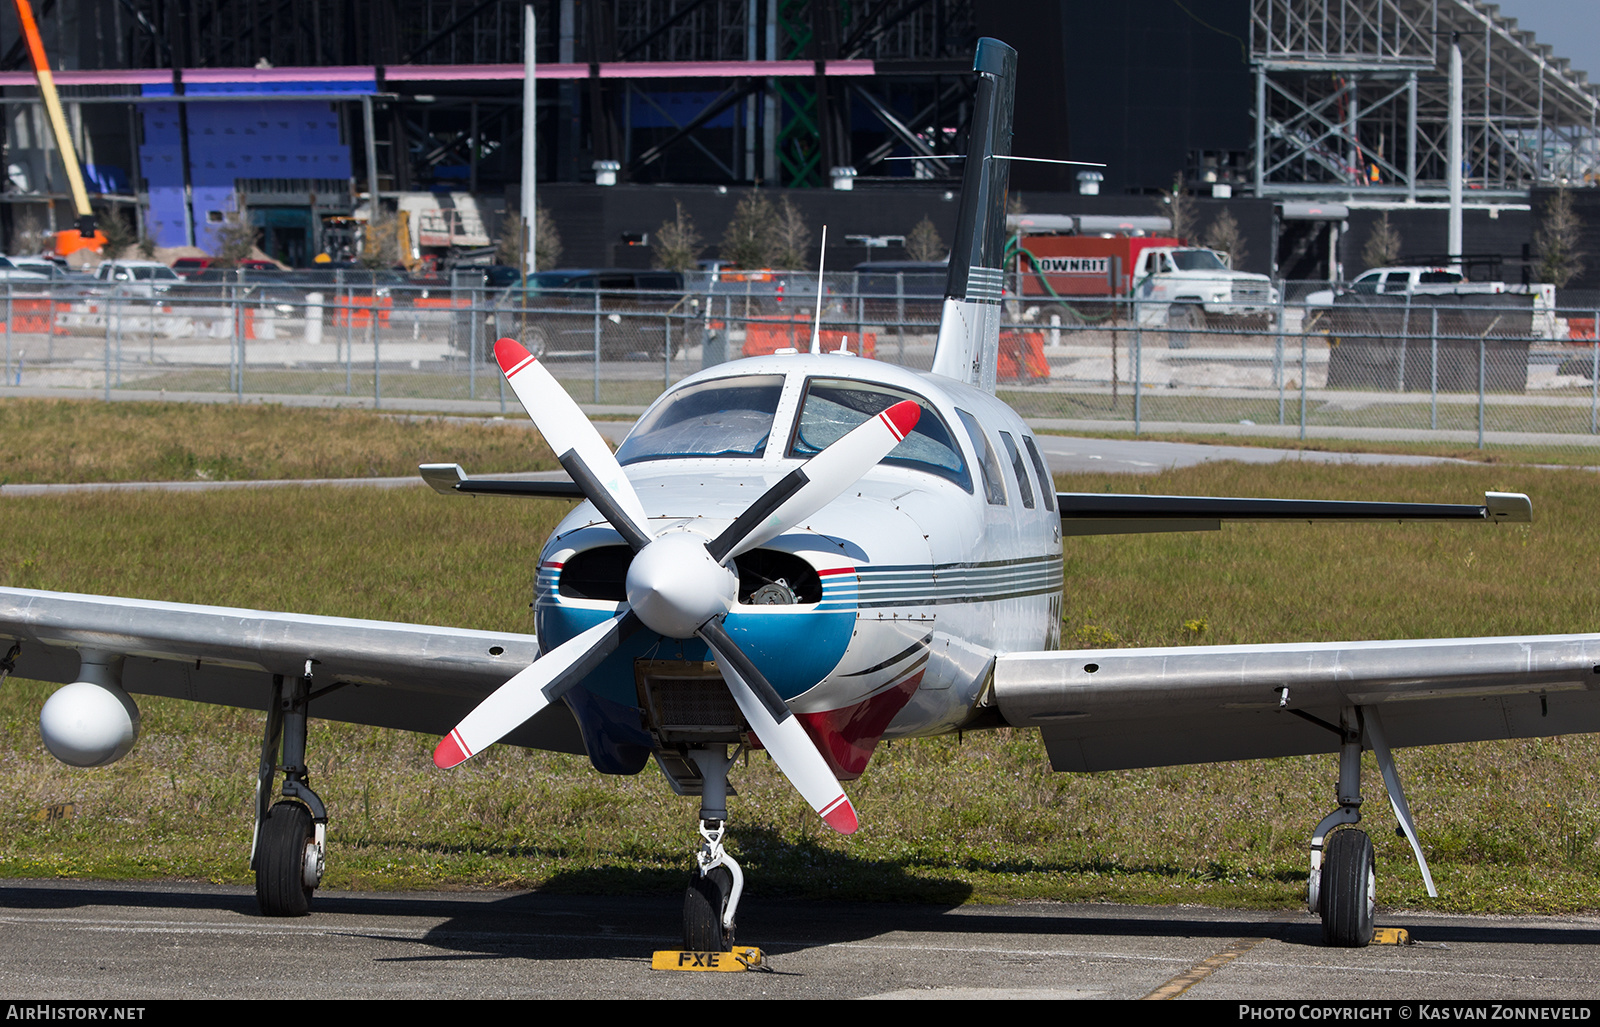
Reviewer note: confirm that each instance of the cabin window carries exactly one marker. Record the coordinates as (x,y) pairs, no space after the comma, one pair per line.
(1023,487)
(831,407)
(726,417)
(994,485)
(1047,484)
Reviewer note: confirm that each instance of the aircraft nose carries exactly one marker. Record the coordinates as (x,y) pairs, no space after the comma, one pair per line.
(675,586)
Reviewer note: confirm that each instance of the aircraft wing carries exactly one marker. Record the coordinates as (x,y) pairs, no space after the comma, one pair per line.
(409,676)
(1107,709)
(1092,513)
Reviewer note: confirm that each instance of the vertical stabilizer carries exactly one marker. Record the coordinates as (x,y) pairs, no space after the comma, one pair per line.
(969,329)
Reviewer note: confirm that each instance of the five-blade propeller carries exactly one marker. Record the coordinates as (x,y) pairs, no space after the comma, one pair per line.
(678,585)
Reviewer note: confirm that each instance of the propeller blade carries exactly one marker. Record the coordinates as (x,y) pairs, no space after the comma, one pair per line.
(780,731)
(569,432)
(817,482)
(532,689)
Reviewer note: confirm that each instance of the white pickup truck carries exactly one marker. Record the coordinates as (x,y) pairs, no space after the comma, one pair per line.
(1401,282)
(1182,287)
(1406,281)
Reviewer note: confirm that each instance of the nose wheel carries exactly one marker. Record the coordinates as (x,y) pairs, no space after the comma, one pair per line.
(705,904)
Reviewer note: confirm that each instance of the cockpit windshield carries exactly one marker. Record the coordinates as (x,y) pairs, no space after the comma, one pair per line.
(726,417)
(832,407)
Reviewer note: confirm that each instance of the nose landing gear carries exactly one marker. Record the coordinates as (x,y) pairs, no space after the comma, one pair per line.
(712,898)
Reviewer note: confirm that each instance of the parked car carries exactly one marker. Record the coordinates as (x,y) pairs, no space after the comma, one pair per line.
(553,313)
(145,278)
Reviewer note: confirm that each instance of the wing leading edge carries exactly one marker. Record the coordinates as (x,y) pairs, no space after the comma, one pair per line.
(1106,709)
(409,676)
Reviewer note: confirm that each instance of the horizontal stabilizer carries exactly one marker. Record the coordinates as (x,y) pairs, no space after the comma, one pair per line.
(450,479)
(1086,513)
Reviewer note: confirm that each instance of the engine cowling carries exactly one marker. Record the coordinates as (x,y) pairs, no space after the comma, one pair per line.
(91,722)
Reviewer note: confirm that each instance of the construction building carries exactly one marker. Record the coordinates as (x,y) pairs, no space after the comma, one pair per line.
(299,112)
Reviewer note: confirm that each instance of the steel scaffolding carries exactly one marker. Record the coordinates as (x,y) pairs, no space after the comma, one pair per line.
(1353,98)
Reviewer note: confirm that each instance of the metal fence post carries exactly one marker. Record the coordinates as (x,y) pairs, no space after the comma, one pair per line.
(666,350)
(1433,371)
(348,304)
(1481,347)
(900,313)
(474,326)
(1138,374)
(1303,386)
(1277,350)
(372,333)
(1594,378)
(11,329)
(107,369)
(597,344)
(238,332)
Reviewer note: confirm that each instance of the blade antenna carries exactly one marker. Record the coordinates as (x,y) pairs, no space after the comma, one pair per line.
(816,324)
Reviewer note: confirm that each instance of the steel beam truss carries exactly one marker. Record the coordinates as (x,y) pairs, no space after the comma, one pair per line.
(1353,95)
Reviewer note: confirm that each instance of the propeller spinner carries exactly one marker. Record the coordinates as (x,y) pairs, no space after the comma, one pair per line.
(679,584)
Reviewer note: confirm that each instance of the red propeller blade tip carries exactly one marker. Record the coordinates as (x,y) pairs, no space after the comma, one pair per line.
(450,752)
(901,418)
(841,816)
(511,355)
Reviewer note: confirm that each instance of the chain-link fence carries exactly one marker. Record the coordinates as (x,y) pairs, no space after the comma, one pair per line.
(1482,369)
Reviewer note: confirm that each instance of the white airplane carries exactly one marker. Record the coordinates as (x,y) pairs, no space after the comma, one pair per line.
(810,552)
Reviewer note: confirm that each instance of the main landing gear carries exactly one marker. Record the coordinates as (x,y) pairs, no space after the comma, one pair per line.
(291,835)
(1343,880)
(712,898)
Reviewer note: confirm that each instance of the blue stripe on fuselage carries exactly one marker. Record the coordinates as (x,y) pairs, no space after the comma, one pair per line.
(794,647)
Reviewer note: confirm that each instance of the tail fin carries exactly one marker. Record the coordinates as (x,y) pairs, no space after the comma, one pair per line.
(969,330)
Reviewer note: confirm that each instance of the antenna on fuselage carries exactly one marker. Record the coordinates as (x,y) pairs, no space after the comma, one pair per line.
(816,323)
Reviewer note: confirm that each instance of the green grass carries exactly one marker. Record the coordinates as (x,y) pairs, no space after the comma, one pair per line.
(1510,827)
(1556,456)
(43,440)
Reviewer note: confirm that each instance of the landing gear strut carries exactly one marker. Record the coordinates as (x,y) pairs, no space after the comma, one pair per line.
(290,839)
(712,898)
(1343,880)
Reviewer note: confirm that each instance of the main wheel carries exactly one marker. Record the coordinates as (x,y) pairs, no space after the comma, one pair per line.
(703,906)
(286,854)
(1349,890)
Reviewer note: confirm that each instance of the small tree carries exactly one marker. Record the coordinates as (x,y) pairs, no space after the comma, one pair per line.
(1383,244)
(381,244)
(28,232)
(1224,236)
(236,239)
(1556,241)
(923,242)
(1178,205)
(547,241)
(677,244)
(119,234)
(791,239)
(747,242)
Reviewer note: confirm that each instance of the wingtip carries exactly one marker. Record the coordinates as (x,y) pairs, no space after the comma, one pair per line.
(903,417)
(511,354)
(450,752)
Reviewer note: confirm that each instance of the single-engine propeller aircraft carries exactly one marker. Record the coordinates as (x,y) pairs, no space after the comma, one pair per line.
(898,573)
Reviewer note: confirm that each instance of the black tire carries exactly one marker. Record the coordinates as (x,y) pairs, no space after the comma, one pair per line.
(534,340)
(703,906)
(286,834)
(1348,894)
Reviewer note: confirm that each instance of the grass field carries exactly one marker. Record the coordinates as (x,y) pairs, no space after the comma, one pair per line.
(1508,826)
